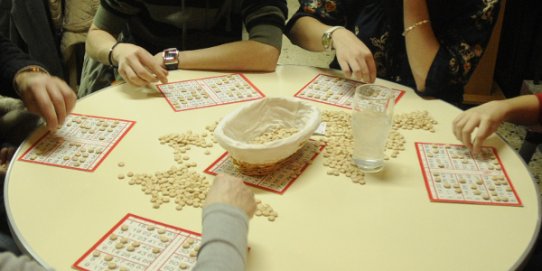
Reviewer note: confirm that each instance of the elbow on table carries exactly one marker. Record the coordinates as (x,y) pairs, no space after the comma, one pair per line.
(267,60)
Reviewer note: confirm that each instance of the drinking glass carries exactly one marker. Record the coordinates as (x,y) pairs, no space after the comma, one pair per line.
(372,113)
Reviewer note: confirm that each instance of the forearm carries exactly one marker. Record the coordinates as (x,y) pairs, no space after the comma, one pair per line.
(236,56)
(522,109)
(421,43)
(307,33)
(224,243)
(98,44)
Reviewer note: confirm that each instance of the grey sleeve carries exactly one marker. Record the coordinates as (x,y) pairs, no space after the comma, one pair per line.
(112,15)
(10,262)
(224,243)
(264,20)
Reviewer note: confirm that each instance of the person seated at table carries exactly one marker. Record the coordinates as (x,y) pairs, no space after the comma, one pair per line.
(135,36)
(485,119)
(228,207)
(45,95)
(22,77)
(432,46)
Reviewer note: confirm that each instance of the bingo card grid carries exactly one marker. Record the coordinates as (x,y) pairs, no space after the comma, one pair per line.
(277,182)
(452,175)
(82,143)
(333,90)
(210,91)
(144,245)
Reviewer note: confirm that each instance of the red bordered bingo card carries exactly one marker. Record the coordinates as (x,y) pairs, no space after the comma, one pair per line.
(334,90)
(452,175)
(279,181)
(211,91)
(82,143)
(137,243)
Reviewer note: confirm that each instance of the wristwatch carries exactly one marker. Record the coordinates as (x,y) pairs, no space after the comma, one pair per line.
(327,42)
(171,58)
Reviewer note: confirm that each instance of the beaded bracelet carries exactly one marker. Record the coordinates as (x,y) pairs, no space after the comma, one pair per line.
(410,28)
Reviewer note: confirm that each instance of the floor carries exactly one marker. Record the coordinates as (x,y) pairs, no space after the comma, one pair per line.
(294,55)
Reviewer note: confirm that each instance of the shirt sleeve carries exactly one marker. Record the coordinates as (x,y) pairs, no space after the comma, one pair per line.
(224,243)
(12,59)
(462,44)
(330,12)
(264,20)
(10,262)
(112,15)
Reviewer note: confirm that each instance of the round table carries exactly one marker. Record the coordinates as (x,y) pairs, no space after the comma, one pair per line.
(325,222)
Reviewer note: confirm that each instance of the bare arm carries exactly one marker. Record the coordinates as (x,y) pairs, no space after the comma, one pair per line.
(307,34)
(136,65)
(238,56)
(355,59)
(98,44)
(421,44)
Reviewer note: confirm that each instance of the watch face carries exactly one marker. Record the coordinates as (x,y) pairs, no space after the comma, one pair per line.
(169,57)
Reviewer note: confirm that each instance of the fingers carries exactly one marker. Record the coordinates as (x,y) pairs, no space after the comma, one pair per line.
(131,77)
(6,153)
(360,67)
(458,124)
(371,65)
(50,97)
(484,131)
(466,132)
(345,68)
(69,97)
(155,68)
(141,68)
(43,106)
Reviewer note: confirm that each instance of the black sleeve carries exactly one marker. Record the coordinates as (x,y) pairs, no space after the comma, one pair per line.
(330,12)
(12,59)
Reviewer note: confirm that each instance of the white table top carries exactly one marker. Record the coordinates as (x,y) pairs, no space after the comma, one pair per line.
(325,222)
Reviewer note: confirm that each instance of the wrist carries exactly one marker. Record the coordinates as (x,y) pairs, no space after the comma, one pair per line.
(170,58)
(111,57)
(21,76)
(327,37)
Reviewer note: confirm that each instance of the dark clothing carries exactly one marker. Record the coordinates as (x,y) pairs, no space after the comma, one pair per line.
(462,27)
(192,24)
(12,59)
(32,31)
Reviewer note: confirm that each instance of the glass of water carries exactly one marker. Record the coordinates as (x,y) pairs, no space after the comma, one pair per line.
(372,113)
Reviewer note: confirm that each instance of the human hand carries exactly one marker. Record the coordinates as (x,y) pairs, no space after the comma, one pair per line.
(486,117)
(355,59)
(48,96)
(137,66)
(6,153)
(231,190)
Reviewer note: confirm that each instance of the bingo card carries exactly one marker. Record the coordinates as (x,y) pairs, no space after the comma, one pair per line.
(453,175)
(82,143)
(334,90)
(137,243)
(211,91)
(279,181)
